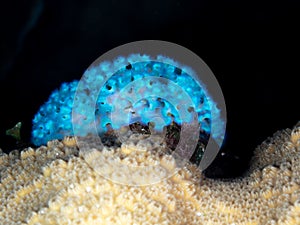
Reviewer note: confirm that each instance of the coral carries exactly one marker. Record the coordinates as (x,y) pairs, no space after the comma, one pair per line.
(130,89)
(56,184)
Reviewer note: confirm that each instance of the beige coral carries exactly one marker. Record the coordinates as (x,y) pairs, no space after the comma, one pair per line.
(55,184)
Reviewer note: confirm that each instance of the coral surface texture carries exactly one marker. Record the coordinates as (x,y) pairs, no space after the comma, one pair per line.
(56,184)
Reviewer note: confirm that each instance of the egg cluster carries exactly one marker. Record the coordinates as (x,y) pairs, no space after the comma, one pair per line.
(146,91)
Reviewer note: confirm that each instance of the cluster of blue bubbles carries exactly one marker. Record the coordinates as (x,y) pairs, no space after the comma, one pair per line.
(143,100)
(136,88)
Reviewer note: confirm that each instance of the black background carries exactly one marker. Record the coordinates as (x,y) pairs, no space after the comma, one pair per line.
(252,47)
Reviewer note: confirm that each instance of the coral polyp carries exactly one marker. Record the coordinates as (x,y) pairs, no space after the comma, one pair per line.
(53,184)
(143,91)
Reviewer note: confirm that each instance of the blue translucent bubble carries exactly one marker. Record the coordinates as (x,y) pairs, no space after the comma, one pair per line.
(153,84)
(138,92)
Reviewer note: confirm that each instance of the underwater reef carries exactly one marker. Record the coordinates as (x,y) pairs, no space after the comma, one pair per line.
(57,184)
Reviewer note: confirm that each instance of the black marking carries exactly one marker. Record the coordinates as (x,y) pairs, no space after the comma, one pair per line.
(108,87)
(177,71)
(191,109)
(129,67)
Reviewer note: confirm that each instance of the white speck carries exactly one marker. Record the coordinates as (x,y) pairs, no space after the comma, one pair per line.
(198,213)
(80,209)
(88,189)
(71,186)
